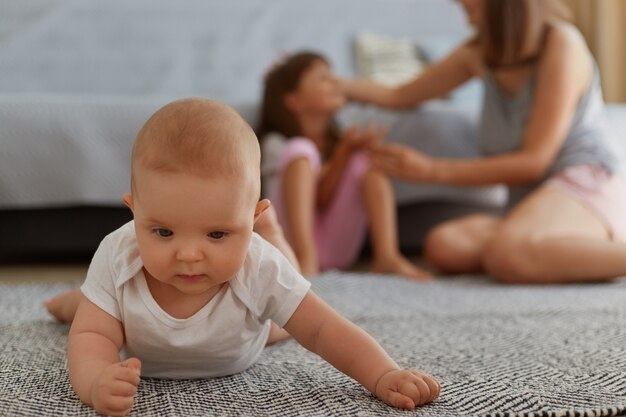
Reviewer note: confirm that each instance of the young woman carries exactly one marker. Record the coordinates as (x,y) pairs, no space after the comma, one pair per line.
(325,192)
(543,134)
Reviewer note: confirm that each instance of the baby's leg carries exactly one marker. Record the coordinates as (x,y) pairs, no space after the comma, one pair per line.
(381,210)
(268,228)
(276,334)
(63,306)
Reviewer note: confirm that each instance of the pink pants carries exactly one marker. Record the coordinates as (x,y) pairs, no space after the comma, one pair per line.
(339,230)
(602,192)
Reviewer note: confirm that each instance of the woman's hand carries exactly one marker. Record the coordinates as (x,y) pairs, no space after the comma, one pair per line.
(403,162)
(356,138)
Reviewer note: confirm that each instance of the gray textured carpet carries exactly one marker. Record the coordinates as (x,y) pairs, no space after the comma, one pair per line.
(498,351)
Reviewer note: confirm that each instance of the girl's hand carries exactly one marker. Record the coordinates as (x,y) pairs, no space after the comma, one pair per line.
(403,162)
(407,389)
(113,392)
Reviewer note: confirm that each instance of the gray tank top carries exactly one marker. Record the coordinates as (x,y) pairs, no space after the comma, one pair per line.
(588,141)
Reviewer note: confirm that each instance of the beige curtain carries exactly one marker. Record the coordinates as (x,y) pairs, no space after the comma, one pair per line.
(603,23)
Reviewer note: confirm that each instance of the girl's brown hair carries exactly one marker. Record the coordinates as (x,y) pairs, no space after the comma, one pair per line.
(512,27)
(283,79)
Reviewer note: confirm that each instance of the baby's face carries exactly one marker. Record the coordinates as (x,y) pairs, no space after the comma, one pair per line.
(193,233)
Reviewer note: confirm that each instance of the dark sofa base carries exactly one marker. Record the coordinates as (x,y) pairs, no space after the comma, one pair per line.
(72,234)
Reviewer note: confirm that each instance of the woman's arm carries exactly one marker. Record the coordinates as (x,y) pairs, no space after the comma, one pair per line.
(438,79)
(96,374)
(317,327)
(563,75)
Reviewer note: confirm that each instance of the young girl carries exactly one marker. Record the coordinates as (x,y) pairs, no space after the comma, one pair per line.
(543,133)
(325,191)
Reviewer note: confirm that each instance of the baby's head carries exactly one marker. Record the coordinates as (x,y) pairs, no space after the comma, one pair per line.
(301,85)
(194,193)
(199,137)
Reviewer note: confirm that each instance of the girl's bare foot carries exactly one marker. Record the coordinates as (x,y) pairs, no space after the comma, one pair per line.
(399,265)
(63,306)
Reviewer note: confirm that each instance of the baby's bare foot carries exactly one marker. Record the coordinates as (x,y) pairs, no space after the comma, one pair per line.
(268,228)
(400,266)
(276,334)
(267,223)
(63,306)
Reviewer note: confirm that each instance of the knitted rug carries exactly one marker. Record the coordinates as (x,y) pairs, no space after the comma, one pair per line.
(497,351)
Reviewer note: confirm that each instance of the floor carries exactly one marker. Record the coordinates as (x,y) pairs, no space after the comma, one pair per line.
(42,273)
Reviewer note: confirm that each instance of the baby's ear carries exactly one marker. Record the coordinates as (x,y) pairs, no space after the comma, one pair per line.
(261,206)
(128,200)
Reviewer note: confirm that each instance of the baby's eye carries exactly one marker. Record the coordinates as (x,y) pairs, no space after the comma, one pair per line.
(163,232)
(217,235)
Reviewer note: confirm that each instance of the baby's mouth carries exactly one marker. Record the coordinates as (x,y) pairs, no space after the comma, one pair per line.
(191,278)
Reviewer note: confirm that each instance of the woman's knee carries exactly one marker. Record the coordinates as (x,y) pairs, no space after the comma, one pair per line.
(511,258)
(438,246)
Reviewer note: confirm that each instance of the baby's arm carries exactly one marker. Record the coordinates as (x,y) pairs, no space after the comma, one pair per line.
(317,327)
(96,374)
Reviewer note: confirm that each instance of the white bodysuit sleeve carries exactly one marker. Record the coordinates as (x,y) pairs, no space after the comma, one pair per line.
(99,286)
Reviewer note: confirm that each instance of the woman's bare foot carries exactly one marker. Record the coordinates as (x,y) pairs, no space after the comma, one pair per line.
(63,306)
(400,265)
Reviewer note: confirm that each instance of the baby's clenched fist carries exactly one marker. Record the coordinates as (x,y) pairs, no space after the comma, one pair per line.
(407,388)
(113,392)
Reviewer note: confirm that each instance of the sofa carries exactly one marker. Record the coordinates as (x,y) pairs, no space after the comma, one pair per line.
(80,78)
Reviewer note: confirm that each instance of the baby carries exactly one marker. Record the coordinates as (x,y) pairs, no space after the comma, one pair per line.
(188,290)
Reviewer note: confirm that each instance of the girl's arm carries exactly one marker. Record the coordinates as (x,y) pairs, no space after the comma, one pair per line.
(320,329)
(331,173)
(563,75)
(96,374)
(352,140)
(438,79)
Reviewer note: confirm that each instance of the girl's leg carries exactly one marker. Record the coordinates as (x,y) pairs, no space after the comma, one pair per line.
(294,199)
(381,210)
(457,246)
(63,306)
(551,237)
(341,228)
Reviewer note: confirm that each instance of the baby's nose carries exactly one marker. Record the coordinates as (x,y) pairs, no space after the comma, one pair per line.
(189,253)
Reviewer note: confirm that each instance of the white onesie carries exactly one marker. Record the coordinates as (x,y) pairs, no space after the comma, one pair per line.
(224,337)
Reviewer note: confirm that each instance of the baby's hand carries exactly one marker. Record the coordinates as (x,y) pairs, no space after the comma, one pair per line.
(113,392)
(407,389)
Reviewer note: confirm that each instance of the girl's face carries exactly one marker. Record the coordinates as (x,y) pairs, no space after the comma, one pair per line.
(474,9)
(318,92)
